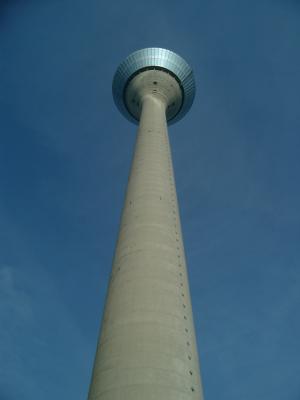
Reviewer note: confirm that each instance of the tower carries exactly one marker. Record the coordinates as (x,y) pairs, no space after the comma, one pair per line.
(147,348)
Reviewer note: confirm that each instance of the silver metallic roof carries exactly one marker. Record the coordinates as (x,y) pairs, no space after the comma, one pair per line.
(160,58)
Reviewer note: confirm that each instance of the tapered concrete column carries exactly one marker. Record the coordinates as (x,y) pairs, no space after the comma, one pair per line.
(147,348)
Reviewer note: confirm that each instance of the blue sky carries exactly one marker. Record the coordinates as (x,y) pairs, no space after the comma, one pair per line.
(65,153)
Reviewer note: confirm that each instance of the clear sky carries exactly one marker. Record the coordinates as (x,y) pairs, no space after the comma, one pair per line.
(65,153)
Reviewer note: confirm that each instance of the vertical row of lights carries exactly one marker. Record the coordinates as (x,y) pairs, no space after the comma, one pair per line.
(179,255)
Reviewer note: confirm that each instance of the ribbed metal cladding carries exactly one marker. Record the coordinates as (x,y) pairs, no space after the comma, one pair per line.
(150,58)
(147,348)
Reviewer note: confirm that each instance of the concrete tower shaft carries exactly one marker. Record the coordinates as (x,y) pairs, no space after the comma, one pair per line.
(147,348)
